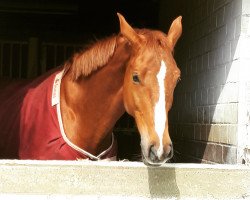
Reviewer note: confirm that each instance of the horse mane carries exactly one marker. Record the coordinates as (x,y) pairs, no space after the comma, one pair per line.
(98,54)
(91,57)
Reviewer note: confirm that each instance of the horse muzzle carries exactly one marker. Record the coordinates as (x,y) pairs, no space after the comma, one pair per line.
(157,157)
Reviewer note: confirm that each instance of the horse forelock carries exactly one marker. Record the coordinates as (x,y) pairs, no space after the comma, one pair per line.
(91,58)
(154,41)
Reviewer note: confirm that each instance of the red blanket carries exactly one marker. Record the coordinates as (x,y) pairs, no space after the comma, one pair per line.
(31,125)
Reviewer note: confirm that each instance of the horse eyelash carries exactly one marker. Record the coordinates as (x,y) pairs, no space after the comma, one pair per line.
(179,79)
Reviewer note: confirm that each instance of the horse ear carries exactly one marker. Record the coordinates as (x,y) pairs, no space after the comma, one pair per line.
(174,32)
(127,31)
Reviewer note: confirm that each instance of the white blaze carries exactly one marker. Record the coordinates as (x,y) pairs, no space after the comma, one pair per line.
(160,108)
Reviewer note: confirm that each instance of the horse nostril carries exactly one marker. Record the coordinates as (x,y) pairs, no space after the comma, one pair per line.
(169,151)
(152,153)
(169,148)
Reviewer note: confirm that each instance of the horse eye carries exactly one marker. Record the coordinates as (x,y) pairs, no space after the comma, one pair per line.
(136,78)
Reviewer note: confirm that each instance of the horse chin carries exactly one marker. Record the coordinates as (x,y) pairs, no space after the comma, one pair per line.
(149,163)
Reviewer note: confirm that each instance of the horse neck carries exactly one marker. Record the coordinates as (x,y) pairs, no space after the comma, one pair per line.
(92,105)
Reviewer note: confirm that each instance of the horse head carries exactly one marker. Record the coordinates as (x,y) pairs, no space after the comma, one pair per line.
(150,79)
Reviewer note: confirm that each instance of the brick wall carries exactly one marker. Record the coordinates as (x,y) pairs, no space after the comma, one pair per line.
(204,117)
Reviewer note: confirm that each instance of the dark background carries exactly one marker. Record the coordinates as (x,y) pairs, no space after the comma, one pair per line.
(49,24)
(72,20)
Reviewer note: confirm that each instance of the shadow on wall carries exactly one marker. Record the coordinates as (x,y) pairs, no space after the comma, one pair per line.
(204,115)
(162,184)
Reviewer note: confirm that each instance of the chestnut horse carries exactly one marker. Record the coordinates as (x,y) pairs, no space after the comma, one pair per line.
(133,71)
